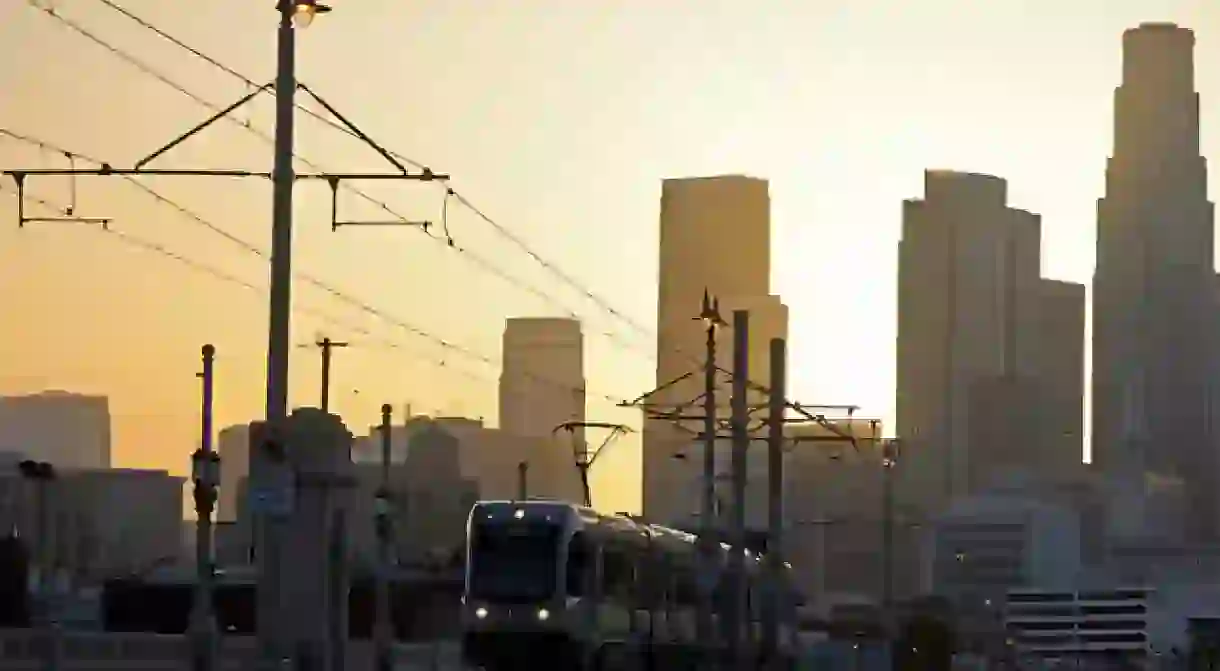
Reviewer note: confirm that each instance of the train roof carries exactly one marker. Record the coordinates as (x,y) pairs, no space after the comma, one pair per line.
(670,537)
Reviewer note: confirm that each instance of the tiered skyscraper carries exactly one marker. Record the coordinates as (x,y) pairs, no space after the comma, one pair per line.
(1154,292)
(990,355)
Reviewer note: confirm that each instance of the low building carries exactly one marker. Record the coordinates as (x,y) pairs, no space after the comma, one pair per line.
(97,523)
(1077,625)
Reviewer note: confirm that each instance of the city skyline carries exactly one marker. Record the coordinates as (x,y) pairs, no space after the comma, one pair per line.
(836,200)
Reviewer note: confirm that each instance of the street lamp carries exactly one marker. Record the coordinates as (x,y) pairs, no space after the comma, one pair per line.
(205,473)
(294,14)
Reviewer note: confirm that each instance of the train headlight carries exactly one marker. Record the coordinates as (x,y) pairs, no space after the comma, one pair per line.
(544,614)
(480,613)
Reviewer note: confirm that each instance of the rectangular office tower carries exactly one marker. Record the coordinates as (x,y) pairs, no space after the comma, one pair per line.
(968,294)
(1153,288)
(542,381)
(715,236)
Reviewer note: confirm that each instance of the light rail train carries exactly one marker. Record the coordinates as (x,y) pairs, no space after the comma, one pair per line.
(553,585)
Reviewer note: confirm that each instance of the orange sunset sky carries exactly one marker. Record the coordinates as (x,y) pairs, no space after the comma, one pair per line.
(558,118)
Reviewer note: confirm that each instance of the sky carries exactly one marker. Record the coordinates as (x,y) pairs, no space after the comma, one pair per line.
(557,119)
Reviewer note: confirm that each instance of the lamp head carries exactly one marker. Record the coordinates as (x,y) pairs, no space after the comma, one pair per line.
(303,12)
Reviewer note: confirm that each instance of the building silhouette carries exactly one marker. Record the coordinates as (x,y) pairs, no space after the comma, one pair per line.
(1153,361)
(233,445)
(542,383)
(715,236)
(62,428)
(968,290)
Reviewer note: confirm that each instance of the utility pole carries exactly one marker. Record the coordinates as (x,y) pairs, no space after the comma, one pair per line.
(205,467)
(325,345)
(775,502)
(382,626)
(523,486)
(741,445)
(708,545)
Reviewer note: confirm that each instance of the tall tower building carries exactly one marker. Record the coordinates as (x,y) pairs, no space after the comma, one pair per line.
(968,289)
(233,445)
(715,237)
(1153,283)
(71,431)
(542,382)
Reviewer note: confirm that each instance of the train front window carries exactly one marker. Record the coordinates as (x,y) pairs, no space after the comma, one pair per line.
(514,563)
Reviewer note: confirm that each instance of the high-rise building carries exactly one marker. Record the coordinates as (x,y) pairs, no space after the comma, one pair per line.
(715,237)
(542,383)
(65,429)
(1152,351)
(233,445)
(968,278)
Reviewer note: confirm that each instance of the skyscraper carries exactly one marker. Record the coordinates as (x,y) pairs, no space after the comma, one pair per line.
(1153,285)
(542,382)
(968,290)
(715,237)
(233,445)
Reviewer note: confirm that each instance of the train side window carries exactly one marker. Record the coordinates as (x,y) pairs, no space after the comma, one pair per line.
(580,564)
(618,571)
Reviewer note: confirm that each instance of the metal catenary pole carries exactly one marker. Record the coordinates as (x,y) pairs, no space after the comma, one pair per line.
(708,544)
(775,588)
(741,446)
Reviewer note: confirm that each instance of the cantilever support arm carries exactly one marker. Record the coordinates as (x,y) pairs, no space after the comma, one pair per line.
(208,122)
(643,398)
(356,130)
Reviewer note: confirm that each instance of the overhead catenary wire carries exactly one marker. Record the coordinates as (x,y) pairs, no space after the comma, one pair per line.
(445,238)
(336,293)
(224,276)
(499,228)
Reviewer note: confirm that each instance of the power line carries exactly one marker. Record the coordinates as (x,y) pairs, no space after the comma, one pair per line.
(446,239)
(319,284)
(212,271)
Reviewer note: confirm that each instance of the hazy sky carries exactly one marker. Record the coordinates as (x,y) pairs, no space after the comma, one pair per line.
(558,118)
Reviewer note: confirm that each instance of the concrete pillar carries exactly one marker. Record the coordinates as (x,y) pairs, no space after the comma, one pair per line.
(319,453)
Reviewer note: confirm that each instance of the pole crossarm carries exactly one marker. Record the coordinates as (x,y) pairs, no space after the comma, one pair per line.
(679,412)
(141,169)
(21,176)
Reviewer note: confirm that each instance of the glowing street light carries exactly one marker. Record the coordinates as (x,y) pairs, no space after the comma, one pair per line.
(303,12)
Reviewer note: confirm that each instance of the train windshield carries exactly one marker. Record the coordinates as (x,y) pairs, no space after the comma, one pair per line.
(514,563)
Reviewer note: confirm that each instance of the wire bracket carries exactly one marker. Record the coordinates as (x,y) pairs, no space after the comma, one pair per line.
(69,216)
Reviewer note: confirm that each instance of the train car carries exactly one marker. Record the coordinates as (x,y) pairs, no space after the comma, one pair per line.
(561,586)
